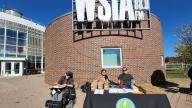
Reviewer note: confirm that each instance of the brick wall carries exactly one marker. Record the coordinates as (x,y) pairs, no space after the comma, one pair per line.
(141,54)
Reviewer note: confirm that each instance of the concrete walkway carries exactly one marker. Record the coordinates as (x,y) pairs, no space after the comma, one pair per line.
(23,92)
(32,92)
(179,96)
(28,92)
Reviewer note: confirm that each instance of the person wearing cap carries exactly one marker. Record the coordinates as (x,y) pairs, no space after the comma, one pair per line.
(125,79)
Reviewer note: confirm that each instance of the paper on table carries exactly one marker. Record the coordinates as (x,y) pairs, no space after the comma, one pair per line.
(118,90)
(113,90)
(99,91)
(127,91)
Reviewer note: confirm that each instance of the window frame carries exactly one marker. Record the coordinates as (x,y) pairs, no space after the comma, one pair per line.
(107,67)
(162,61)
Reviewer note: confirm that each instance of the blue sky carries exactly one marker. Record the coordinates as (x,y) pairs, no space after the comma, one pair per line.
(172,14)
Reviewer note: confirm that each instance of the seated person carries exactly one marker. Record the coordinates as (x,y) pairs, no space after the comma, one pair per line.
(102,81)
(103,76)
(64,82)
(67,79)
(125,79)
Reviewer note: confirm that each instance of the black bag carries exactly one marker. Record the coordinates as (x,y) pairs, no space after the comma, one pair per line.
(86,87)
(72,93)
(53,104)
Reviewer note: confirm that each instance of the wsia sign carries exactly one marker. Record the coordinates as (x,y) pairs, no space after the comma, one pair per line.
(116,10)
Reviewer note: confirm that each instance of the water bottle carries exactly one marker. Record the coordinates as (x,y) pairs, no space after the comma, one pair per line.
(132,83)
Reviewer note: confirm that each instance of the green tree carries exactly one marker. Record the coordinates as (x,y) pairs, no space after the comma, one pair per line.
(183,53)
(184,48)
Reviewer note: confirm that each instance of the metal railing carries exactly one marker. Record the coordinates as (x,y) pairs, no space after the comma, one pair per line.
(176,66)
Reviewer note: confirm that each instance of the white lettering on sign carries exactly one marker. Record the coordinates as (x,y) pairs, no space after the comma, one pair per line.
(146,4)
(126,6)
(104,15)
(115,10)
(125,10)
(89,6)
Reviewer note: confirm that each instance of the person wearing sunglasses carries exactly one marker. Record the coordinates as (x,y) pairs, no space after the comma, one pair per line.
(125,79)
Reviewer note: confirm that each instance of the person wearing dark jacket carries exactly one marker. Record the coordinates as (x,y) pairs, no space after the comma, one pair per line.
(125,79)
(67,79)
(66,82)
(190,76)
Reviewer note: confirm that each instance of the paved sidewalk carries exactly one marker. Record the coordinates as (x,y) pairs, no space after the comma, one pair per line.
(32,92)
(180,97)
(27,92)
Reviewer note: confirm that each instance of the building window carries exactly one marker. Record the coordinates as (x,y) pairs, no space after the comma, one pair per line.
(11,33)
(21,42)
(10,49)
(1,40)
(2,36)
(22,35)
(11,41)
(21,50)
(2,31)
(111,58)
(1,50)
(10,55)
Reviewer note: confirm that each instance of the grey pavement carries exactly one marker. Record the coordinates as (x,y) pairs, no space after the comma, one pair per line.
(28,92)
(32,92)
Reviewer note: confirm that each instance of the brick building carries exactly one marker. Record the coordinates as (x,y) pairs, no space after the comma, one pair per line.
(86,53)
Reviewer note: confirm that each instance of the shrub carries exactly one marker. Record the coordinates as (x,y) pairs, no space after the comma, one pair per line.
(158,78)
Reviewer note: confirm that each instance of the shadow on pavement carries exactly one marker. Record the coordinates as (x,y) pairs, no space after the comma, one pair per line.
(185,90)
(174,88)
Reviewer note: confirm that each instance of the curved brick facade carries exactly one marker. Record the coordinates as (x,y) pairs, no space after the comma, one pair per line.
(141,53)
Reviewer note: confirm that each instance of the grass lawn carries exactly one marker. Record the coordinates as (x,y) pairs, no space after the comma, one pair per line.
(178,73)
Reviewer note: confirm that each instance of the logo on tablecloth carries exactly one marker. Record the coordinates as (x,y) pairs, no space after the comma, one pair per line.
(125,103)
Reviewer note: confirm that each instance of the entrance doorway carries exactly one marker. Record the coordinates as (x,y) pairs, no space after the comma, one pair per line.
(11,69)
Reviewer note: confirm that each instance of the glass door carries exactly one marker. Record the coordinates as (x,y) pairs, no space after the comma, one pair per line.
(16,68)
(13,69)
(1,68)
(8,68)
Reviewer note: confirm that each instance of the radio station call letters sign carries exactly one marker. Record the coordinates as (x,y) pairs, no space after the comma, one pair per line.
(111,10)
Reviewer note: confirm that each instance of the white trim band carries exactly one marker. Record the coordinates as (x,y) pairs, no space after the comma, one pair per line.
(8,17)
